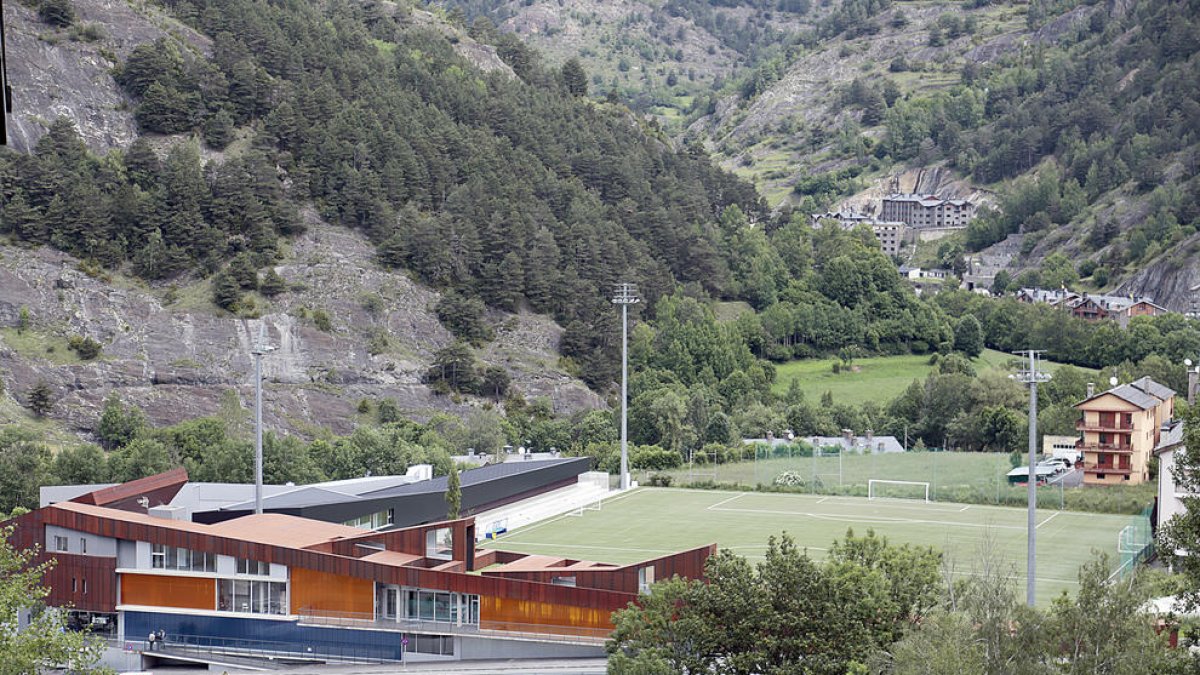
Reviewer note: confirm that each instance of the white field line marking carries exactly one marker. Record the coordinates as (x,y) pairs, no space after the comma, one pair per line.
(1052,517)
(877,519)
(726,501)
(890,503)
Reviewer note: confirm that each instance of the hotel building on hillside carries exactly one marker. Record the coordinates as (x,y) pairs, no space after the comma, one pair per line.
(1121,427)
(927,211)
(303,589)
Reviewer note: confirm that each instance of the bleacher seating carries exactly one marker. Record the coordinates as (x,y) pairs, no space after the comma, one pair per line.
(589,491)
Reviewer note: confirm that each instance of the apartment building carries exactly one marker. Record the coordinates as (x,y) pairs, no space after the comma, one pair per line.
(1120,429)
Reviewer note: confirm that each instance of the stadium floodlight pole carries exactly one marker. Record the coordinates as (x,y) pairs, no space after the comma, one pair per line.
(1032,377)
(259,349)
(626,295)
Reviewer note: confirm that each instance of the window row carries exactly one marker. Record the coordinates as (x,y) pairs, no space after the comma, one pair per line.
(373,521)
(174,558)
(252,597)
(412,604)
(255,567)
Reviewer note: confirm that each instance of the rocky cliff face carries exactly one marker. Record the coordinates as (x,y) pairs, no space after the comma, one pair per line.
(1170,279)
(177,360)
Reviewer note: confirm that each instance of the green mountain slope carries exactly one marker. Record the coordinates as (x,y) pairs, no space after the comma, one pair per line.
(1076,120)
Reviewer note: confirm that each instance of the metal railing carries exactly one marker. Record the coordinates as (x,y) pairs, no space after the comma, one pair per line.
(1085,425)
(212,646)
(1107,468)
(485,628)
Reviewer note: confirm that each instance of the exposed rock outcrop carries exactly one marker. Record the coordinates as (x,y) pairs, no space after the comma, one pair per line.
(176,361)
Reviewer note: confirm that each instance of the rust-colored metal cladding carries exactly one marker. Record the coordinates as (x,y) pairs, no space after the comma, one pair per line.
(324,592)
(335,568)
(169,590)
(157,490)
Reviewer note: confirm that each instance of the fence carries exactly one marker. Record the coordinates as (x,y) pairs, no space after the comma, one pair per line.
(1135,544)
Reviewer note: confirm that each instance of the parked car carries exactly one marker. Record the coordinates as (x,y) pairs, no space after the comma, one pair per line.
(1059,464)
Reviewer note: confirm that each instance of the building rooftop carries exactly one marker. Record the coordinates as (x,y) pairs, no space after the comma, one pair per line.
(1144,392)
(278,529)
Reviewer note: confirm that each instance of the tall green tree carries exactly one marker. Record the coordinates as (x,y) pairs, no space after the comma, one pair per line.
(44,644)
(453,495)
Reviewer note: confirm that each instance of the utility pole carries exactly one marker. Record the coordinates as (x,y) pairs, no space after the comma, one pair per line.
(1031,377)
(626,295)
(259,349)
(6,104)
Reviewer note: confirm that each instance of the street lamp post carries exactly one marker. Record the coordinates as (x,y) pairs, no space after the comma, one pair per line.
(260,348)
(625,295)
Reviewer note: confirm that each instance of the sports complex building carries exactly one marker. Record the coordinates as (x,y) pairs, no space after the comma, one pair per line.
(335,572)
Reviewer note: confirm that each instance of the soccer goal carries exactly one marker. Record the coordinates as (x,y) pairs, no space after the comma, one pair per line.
(897,489)
(587,506)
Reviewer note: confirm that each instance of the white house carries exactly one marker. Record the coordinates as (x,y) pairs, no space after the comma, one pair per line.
(1170,500)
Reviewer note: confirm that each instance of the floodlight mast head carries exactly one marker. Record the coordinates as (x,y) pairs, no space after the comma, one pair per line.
(625,295)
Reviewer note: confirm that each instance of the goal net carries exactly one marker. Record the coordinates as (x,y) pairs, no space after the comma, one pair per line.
(897,489)
(587,506)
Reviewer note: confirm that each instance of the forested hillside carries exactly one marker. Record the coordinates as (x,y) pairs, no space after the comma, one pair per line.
(1076,120)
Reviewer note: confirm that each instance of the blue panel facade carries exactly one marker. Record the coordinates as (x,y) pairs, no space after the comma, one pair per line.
(267,635)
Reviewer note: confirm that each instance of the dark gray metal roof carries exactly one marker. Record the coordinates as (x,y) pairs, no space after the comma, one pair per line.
(483,474)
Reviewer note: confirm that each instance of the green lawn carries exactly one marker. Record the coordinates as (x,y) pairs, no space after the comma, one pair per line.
(653,521)
(877,378)
(946,472)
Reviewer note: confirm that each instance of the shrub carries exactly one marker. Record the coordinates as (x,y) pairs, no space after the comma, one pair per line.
(322,321)
(660,480)
(57,13)
(85,347)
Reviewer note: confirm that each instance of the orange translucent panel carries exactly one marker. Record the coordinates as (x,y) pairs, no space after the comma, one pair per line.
(512,614)
(331,593)
(153,590)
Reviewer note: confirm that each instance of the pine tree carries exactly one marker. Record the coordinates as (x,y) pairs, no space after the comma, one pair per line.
(41,399)
(218,130)
(226,292)
(575,78)
(272,284)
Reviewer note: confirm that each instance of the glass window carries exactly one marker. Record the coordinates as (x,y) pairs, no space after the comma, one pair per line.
(252,596)
(60,543)
(426,612)
(645,578)
(439,543)
(83,544)
(441,604)
(158,556)
(255,567)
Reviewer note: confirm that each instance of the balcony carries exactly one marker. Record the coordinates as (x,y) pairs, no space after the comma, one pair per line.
(1094,467)
(1108,427)
(1104,447)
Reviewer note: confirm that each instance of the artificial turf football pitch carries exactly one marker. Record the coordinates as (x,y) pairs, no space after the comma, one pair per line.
(649,522)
